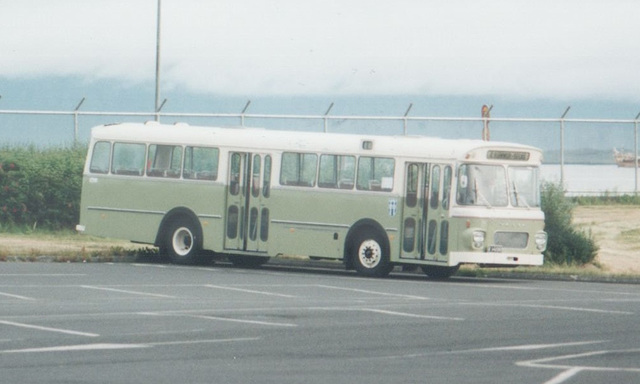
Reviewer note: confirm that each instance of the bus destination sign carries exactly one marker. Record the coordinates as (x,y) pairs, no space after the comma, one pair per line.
(508,155)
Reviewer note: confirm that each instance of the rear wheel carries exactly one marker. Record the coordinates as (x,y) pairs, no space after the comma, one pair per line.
(182,243)
(371,255)
(439,272)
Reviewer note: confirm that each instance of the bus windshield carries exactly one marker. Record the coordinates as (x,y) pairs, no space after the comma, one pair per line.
(493,186)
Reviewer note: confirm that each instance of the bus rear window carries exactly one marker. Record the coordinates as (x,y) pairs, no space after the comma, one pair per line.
(375,174)
(100,157)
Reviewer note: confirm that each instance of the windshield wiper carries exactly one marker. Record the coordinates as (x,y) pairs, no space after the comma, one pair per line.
(517,196)
(478,194)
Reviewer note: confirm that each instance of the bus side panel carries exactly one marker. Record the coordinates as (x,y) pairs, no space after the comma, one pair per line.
(133,208)
(315,222)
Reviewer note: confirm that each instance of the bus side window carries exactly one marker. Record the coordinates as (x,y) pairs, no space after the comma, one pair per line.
(375,174)
(128,159)
(337,171)
(298,169)
(164,161)
(201,163)
(100,157)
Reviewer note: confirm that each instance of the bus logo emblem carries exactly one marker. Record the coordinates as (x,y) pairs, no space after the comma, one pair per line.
(393,207)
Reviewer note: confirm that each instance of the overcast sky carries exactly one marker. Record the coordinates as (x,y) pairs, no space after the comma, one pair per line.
(550,49)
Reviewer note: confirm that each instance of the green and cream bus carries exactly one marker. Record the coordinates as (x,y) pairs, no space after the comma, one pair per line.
(374,202)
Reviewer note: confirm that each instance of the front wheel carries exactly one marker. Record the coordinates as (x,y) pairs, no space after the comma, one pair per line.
(371,256)
(182,243)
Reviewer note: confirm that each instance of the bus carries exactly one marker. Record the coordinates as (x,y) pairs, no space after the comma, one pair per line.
(373,202)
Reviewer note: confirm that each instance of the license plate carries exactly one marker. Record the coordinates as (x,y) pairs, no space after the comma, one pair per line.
(495,248)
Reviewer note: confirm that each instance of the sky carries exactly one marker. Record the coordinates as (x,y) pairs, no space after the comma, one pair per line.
(448,58)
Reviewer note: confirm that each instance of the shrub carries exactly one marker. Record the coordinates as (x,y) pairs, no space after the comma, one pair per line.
(566,244)
(40,187)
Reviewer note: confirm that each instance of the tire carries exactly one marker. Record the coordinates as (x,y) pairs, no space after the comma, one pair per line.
(182,244)
(370,255)
(439,272)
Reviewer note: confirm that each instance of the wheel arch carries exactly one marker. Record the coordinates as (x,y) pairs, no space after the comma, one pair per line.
(363,225)
(175,214)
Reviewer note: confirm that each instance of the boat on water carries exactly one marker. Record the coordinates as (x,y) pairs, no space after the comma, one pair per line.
(626,159)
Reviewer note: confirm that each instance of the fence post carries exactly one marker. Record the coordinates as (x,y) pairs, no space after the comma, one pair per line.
(635,146)
(562,145)
(405,118)
(246,106)
(75,121)
(159,109)
(326,118)
(158,27)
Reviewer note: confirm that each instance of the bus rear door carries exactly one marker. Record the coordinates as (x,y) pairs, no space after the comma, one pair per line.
(247,218)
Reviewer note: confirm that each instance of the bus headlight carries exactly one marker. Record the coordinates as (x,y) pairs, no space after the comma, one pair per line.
(541,241)
(478,239)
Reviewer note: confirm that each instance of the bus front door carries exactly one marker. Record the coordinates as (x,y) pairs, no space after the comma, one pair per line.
(247,217)
(425,225)
(439,200)
(414,211)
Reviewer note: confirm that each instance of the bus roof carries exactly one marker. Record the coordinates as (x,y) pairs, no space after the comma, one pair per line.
(258,139)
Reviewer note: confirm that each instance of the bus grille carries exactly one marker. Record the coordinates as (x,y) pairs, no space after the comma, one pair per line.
(516,240)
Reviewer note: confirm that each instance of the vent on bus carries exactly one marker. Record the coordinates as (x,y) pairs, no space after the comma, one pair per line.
(367,144)
(517,240)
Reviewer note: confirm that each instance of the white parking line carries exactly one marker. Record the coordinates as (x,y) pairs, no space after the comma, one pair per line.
(533,347)
(48,329)
(569,370)
(249,291)
(41,274)
(256,322)
(128,292)
(377,293)
(575,309)
(218,318)
(564,376)
(404,314)
(16,296)
(112,346)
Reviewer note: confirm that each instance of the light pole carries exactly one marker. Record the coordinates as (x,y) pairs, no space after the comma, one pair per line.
(157,104)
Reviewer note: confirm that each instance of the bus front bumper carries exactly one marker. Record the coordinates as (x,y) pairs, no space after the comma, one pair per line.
(494,258)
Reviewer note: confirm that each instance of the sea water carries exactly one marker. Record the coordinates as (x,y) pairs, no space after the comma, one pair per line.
(580,179)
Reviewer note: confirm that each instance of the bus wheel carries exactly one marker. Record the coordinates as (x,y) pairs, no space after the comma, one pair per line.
(371,258)
(182,243)
(439,272)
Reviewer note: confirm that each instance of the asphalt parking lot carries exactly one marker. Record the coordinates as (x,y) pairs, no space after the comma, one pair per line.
(126,323)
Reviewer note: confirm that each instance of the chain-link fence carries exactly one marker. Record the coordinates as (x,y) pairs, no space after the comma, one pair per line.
(578,152)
